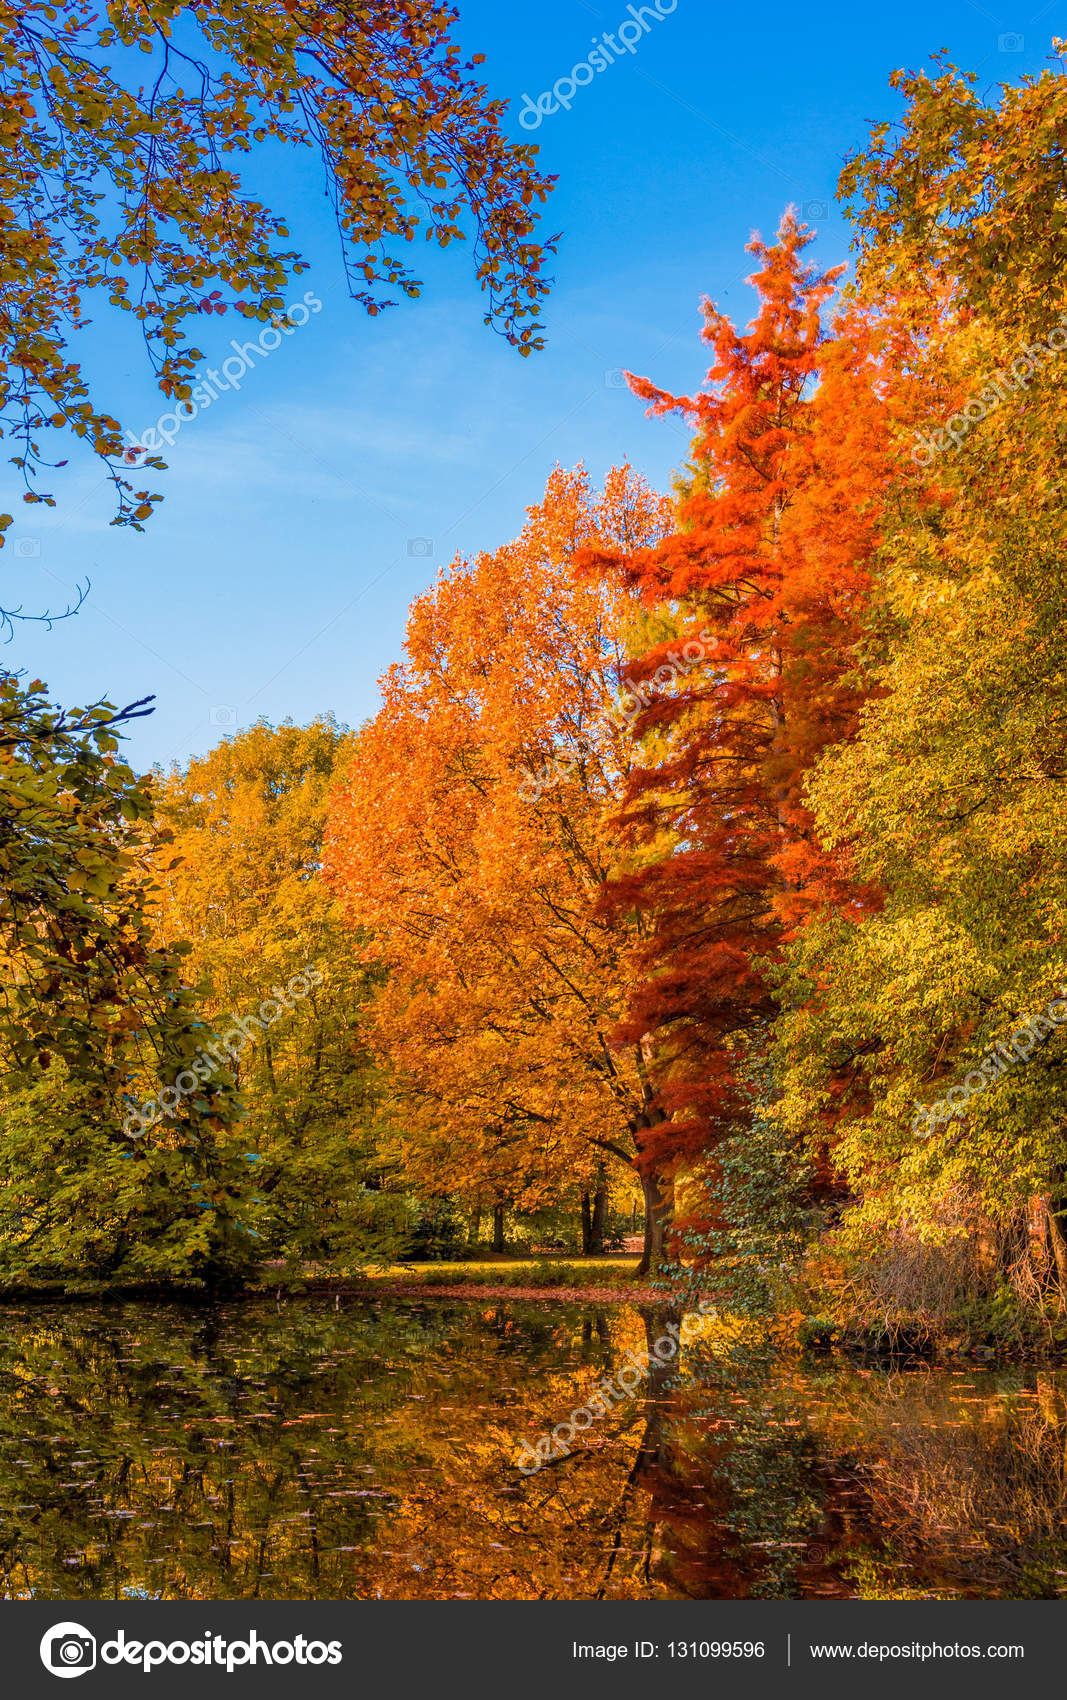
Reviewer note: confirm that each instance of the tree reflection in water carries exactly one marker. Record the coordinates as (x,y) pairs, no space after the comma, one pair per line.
(298,1451)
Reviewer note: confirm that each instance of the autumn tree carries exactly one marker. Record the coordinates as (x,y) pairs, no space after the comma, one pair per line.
(473,836)
(963,193)
(120,181)
(280,981)
(925,1031)
(771,555)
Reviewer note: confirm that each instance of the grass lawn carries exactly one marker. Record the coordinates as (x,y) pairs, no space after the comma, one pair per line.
(511,1272)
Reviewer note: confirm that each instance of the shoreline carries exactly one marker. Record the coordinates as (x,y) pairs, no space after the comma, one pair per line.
(928,1353)
(146,1293)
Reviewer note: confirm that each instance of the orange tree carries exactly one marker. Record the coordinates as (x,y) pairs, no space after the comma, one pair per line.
(473,836)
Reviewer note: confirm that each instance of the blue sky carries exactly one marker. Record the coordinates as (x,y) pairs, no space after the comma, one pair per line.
(304,512)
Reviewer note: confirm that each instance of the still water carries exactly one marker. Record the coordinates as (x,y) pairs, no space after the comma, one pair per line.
(300,1451)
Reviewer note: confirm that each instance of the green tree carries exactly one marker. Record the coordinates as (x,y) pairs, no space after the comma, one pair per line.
(89,1005)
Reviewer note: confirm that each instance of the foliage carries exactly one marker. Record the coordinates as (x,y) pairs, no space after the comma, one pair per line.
(722,838)
(757,1219)
(89,1003)
(965,194)
(119,178)
(243,884)
(473,836)
(436,1231)
(770,561)
(949,799)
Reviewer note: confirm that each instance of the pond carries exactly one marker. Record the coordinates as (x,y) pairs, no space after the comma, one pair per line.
(298,1450)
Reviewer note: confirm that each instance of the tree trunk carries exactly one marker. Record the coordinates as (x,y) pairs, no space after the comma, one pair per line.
(476,1224)
(498,1227)
(600,1216)
(1059,1252)
(659,1208)
(1056,1219)
(594,1216)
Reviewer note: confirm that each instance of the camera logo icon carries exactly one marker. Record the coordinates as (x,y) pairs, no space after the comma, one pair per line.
(68,1650)
(1010,42)
(420,546)
(28,548)
(815,209)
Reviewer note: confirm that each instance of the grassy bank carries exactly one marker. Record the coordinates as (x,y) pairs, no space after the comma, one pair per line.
(511,1272)
(608,1279)
(581,1277)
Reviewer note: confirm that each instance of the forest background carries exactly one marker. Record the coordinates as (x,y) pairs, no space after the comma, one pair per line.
(702,866)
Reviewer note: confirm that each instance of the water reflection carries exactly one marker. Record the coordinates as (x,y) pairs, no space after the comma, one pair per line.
(298,1451)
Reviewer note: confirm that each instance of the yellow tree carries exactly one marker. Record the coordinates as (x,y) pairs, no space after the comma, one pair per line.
(929,1032)
(280,985)
(473,836)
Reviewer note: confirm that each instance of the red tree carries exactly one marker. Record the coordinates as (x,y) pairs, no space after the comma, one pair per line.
(777,524)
